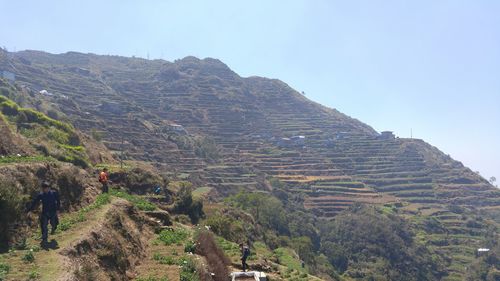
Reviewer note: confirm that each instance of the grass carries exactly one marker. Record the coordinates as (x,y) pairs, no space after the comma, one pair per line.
(4,270)
(199,192)
(33,275)
(173,236)
(68,221)
(25,159)
(138,201)
(164,259)
(231,249)
(287,257)
(188,271)
(29,257)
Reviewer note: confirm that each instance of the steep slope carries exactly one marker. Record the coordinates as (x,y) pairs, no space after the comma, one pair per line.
(244,123)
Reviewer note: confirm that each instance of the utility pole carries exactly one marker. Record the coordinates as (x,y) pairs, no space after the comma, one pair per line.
(121,154)
(411,133)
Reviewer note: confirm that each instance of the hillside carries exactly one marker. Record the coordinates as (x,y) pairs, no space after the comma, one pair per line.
(240,137)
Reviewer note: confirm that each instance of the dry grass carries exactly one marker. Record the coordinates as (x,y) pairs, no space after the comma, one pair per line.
(216,259)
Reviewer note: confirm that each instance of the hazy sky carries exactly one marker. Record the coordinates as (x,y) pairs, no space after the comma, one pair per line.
(430,66)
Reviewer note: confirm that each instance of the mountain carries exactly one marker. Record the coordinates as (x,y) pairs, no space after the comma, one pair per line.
(259,134)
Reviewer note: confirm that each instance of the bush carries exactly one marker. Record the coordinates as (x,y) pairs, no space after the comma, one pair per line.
(173,236)
(190,247)
(138,180)
(4,270)
(163,260)
(28,257)
(140,203)
(188,271)
(226,226)
(33,275)
(184,204)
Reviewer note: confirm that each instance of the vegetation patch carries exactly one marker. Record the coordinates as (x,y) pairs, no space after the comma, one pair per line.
(138,201)
(49,136)
(188,271)
(4,270)
(164,259)
(173,236)
(25,159)
(70,220)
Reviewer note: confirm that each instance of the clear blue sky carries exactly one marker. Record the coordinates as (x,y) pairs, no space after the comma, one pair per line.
(431,66)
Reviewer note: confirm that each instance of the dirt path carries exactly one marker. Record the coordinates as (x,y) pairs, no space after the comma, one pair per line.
(49,263)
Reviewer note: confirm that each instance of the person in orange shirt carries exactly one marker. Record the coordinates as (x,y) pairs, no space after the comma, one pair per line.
(104,180)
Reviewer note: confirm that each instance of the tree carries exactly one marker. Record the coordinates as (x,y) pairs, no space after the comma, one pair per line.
(493,180)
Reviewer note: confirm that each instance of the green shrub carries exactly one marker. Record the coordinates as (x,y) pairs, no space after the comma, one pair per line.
(190,247)
(68,221)
(188,271)
(28,257)
(4,270)
(184,204)
(33,275)
(9,108)
(173,236)
(163,259)
(139,202)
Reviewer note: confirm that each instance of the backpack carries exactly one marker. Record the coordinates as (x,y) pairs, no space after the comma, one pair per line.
(246,252)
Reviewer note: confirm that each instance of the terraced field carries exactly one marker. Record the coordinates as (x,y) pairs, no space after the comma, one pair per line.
(341,162)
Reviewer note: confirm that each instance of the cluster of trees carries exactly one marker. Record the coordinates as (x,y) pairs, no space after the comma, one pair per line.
(366,242)
(187,205)
(363,242)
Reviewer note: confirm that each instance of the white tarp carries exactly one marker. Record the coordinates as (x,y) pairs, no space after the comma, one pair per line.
(258,276)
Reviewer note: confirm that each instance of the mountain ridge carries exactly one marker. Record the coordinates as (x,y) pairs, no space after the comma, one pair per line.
(258,134)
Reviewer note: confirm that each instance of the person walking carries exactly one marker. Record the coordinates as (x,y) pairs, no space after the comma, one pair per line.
(51,204)
(245,252)
(104,180)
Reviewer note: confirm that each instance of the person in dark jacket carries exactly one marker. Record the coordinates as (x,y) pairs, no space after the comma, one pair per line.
(245,252)
(50,206)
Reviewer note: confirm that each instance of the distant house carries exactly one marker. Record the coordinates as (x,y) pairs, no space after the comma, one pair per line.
(178,129)
(482,251)
(45,93)
(387,135)
(8,75)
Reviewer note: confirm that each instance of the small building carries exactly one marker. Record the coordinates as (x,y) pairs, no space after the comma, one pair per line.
(482,251)
(45,93)
(387,135)
(9,76)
